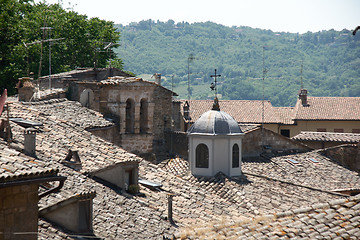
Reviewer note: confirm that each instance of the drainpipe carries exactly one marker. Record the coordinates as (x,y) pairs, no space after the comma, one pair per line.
(60,179)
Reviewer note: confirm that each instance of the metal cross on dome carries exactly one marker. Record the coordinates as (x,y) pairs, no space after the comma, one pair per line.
(214,84)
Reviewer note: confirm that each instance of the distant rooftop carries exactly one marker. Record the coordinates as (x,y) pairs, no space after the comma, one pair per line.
(328,137)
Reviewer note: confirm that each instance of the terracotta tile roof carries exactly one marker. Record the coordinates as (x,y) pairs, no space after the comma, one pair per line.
(329,108)
(71,112)
(116,215)
(125,80)
(267,185)
(243,111)
(338,219)
(328,137)
(17,166)
(119,80)
(60,134)
(286,114)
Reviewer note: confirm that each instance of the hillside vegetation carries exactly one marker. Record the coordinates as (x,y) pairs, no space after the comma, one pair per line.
(330,59)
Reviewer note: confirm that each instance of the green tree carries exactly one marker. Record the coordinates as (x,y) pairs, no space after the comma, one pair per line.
(81,42)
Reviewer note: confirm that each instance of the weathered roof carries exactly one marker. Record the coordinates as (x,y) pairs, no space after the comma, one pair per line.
(328,137)
(337,219)
(118,80)
(215,123)
(329,108)
(243,111)
(268,185)
(286,114)
(81,72)
(70,112)
(17,166)
(250,111)
(64,130)
(116,215)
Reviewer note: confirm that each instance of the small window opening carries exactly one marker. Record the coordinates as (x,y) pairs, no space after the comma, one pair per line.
(285,132)
(235,156)
(143,116)
(130,112)
(321,130)
(202,156)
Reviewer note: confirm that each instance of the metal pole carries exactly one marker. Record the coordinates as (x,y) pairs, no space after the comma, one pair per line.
(170,199)
(263,98)
(50,59)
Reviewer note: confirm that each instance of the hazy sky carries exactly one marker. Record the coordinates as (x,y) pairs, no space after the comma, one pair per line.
(278,15)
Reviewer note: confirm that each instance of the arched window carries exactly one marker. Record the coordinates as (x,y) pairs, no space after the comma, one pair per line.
(143,116)
(130,113)
(202,156)
(235,156)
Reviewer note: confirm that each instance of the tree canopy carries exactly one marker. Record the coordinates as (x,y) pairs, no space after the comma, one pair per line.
(77,40)
(329,59)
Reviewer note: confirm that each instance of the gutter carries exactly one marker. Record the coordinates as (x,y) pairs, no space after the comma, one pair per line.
(60,179)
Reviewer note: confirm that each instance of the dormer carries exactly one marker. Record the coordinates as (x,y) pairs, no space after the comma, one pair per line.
(75,214)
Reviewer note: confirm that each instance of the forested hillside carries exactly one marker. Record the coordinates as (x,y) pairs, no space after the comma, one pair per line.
(330,59)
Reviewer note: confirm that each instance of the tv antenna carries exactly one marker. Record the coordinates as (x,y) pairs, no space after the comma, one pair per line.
(190,59)
(42,41)
(301,76)
(263,99)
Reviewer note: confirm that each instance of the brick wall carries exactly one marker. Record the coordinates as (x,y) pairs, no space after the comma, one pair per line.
(19,212)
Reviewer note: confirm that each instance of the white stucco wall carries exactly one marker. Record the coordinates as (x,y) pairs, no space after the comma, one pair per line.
(220,154)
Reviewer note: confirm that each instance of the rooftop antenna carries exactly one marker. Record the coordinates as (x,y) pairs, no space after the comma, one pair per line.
(42,41)
(50,42)
(190,59)
(301,74)
(263,99)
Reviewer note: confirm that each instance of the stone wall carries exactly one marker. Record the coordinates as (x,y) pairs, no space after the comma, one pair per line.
(252,143)
(347,155)
(162,117)
(111,100)
(110,134)
(137,143)
(19,212)
(179,144)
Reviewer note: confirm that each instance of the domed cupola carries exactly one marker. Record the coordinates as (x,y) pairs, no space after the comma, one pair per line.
(215,144)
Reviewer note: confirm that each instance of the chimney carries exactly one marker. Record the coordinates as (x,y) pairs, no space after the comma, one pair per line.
(303,97)
(30,142)
(25,89)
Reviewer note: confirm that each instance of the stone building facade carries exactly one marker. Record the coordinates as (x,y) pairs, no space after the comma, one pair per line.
(141,109)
